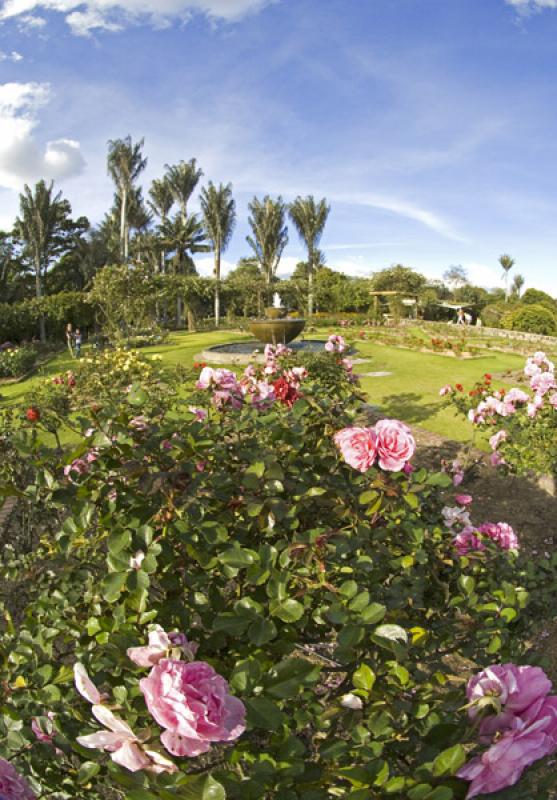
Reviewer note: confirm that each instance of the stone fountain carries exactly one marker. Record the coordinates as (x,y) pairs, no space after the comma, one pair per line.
(277,327)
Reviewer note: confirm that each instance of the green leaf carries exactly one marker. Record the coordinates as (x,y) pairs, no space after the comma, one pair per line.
(441,793)
(449,761)
(364,678)
(262,631)
(137,396)
(112,585)
(393,633)
(87,771)
(288,677)
(257,468)
(238,557)
(288,610)
(118,541)
(368,497)
(373,613)
(262,713)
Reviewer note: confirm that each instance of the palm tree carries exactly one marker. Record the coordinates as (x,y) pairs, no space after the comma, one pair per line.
(309,219)
(517,285)
(507,263)
(160,203)
(42,221)
(125,164)
(219,216)
(184,237)
(182,180)
(270,235)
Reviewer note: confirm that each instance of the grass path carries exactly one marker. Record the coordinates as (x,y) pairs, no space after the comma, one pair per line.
(410,392)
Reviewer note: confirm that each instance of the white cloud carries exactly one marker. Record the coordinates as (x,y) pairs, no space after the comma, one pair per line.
(526,6)
(112,15)
(21,157)
(30,22)
(403,208)
(13,56)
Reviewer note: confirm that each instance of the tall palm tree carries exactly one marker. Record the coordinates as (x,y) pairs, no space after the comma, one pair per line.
(270,235)
(219,216)
(184,238)
(182,180)
(507,263)
(125,163)
(518,283)
(160,203)
(309,219)
(43,216)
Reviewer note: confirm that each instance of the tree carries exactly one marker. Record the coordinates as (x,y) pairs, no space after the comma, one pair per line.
(456,276)
(184,238)
(44,216)
(517,285)
(125,164)
(161,202)
(270,235)
(507,263)
(182,180)
(398,279)
(244,288)
(219,216)
(309,219)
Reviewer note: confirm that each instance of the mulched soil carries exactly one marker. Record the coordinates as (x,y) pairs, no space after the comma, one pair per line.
(531,511)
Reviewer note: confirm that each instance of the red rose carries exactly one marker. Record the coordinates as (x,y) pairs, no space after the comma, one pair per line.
(459,387)
(33,414)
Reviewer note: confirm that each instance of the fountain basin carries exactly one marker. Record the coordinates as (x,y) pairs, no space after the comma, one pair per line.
(277,331)
(251,351)
(275,312)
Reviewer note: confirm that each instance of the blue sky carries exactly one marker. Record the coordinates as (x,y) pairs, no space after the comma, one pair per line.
(430,125)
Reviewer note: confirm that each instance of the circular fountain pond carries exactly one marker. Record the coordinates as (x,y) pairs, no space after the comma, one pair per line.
(251,350)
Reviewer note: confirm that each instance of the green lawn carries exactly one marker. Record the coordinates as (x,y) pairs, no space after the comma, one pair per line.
(410,393)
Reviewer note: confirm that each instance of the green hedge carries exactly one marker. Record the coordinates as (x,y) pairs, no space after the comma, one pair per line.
(20,321)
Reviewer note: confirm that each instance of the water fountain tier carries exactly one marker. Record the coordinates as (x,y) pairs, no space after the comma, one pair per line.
(277,328)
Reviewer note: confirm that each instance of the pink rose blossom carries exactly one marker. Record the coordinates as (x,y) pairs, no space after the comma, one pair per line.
(358,447)
(515,688)
(454,515)
(516,396)
(445,390)
(497,438)
(496,459)
(123,745)
(464,499)
(505,761)
(335,344)
(12,785)
(543,383)
(192,702)
(500,533)
(44,730)
(553,400)
(395,444)
(160,646)
(467,540)
(200,413)
(85,685)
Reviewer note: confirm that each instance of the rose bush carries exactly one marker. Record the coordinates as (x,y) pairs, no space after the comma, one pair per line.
(300,617)
(522,421)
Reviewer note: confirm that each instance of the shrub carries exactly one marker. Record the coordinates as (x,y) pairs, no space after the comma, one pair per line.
(331,600)
(523,423)
(17,361)
(533,319)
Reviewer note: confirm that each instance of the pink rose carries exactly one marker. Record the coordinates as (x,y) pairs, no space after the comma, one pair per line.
(444,390)
(200,413)
(192,702)
(497,438)
(504,762)
(123,745)
(500,533)
(159,647)
(515,687)
(464,499)
(358,447)
(12,785)
(395,444)
(206,377)
(467,540)
(516,396)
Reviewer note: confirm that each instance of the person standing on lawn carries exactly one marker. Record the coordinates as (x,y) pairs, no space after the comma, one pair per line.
(78,340)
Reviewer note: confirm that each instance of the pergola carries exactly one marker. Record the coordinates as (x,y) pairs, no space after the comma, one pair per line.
(408,299)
